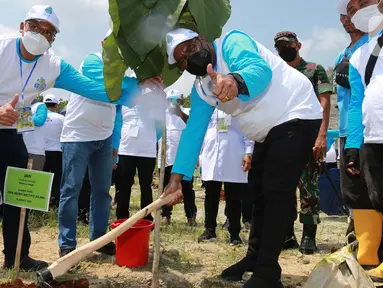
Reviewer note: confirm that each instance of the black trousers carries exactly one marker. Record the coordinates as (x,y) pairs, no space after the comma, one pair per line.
(84,197)
(189,196)
(278,162)
(372,166)
(353,187)
(127,170)
(233,194)
(53,164)
(12,153)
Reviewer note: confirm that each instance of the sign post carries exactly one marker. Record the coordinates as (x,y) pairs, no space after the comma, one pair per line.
(27,189)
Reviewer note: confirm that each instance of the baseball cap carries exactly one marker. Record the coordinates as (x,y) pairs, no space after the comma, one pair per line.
(173,93)
(175,38)
(44,13)
(342,7)
(285,36)
(50,99)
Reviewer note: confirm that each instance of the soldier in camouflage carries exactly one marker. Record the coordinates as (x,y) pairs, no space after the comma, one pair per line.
(288,46)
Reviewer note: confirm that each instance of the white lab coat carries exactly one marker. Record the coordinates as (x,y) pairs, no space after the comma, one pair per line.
(174,127)
(223,151)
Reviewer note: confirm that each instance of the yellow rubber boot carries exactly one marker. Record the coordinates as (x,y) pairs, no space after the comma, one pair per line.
(368,230)
(376,274)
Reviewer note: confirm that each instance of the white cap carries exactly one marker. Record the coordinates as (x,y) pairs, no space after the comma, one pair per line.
(175,38)
(108,33)
(50,99)
(173,93)
(342,7)
(44,13)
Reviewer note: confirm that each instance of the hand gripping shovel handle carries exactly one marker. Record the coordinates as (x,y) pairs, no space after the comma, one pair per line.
(62,265)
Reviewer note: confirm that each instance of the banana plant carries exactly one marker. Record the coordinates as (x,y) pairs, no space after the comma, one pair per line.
(138,38)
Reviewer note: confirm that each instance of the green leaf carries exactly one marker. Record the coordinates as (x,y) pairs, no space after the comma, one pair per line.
(210,16)
(149,3)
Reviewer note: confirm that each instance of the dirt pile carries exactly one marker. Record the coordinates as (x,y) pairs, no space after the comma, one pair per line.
(18,283)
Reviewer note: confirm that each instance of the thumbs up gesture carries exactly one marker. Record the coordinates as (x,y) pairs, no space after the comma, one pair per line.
(8,114)
(226,88)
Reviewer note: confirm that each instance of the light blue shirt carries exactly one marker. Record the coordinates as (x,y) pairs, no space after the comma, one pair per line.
(344,94)
(41,114)
(240,52)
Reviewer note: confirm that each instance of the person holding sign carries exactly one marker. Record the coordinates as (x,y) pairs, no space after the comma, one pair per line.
(29,68)
(275,106)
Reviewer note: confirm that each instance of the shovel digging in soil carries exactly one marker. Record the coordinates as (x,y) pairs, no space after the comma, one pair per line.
(46,276)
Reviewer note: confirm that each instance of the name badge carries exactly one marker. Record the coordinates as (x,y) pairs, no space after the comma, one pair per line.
(25,122)
(224,123)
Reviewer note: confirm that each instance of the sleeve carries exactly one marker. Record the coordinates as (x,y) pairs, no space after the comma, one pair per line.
(241,54)
(91,84)
(323,83)
(249,145)
(192,136)
(41,115)
(116,136)
(355,125)
(331,135)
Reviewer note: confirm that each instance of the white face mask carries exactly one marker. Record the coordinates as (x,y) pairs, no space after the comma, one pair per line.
(35,43)
(368,19)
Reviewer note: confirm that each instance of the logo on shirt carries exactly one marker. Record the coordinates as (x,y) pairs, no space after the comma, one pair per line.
(49,10)
(40,84)
(169,39)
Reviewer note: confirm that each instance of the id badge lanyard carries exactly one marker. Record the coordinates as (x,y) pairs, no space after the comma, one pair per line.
(26,82)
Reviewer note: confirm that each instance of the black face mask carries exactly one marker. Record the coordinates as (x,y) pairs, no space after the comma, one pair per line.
(198,61)
(341,73)
(288,53)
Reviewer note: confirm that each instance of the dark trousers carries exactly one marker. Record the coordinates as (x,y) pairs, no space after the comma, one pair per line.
(372,166)
(53,164)
(189,197)
(84,197)
(127,170)
(278,162)
(233,192)
(353,187)
(13,153)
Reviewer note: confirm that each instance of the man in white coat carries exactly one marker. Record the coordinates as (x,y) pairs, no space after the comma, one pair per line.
(53,153)
(226,159)
(176,118)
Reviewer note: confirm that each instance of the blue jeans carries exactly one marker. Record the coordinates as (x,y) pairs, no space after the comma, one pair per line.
(77,156)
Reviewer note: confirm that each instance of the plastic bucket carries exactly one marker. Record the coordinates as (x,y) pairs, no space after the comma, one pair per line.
(132,247)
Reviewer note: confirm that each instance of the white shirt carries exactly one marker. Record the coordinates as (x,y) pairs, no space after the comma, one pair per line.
(88,120)
(35,140)
(52,131)
(174,127)
(331,154)
(223,151)
(138,133)
(43,77)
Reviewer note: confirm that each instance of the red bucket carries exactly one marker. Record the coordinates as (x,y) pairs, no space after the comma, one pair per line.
(132,247)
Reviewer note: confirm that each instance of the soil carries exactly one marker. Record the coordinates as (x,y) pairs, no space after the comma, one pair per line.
(18,283)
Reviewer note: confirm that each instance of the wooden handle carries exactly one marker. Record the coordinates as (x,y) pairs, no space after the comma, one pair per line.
(62,265)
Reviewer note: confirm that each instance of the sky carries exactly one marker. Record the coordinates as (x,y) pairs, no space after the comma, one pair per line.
(84,24)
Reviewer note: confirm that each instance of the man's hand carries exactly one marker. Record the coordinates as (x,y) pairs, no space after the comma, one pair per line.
(246,163)
(225,85)
(8,115)
(173,186)
(155,82)
(320,148)
(352,161)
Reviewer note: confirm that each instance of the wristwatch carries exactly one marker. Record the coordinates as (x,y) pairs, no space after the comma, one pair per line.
(249,155)
(241,85)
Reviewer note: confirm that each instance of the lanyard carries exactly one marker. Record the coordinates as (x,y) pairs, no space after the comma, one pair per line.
(26,82)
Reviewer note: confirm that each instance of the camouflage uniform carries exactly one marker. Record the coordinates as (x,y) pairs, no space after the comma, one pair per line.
(308,184)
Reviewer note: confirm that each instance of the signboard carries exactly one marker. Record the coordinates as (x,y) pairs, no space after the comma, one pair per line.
(28,188)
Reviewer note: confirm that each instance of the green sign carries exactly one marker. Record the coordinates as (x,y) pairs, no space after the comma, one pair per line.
(28,188)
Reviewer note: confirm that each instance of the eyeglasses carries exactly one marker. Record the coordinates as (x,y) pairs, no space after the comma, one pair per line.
(33,27)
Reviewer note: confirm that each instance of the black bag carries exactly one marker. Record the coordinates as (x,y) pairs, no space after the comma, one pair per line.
(372,61)
(341,72)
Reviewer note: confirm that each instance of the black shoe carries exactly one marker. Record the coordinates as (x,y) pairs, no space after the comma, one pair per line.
(109,249)
(235,240)
(65,251)
(83,219)
(235,272)
(149,217)
(27,264)
(255,282)
(226,224)
(207,236)
(291,243)
(308,243)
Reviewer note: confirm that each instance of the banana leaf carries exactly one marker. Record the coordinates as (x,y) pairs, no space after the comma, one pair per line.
(139,29)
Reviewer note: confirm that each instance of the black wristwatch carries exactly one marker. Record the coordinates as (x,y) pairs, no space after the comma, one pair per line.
(241,85)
